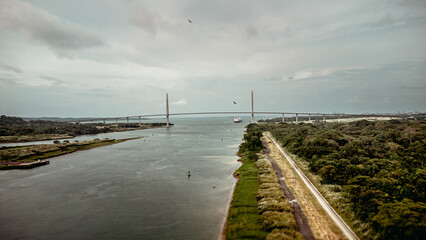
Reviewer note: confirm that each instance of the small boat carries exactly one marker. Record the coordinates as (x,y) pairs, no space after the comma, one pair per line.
(237,120)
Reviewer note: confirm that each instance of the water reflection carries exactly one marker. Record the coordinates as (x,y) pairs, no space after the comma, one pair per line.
(138,189)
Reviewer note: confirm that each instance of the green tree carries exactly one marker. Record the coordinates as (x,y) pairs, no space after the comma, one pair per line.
(401,220)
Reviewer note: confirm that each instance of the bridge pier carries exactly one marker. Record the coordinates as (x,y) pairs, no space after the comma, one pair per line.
(297,118)
(116,122)
(167,110)
(309,117)
(252,108)
(323,118)
(127,119)
(104,122)
(283,118)
(140,125)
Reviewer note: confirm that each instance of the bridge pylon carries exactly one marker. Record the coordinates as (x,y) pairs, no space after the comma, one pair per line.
(252,108)
(167,110)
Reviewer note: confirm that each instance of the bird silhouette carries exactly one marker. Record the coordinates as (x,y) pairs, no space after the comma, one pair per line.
(235,102)
(189,21)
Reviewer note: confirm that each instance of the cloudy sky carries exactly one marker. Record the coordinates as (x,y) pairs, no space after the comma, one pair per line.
(114,58)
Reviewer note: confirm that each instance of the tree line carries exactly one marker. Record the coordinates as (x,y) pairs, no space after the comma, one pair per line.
(15,126)
(380,166)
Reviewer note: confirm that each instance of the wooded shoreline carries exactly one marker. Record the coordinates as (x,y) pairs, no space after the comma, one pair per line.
(15,129)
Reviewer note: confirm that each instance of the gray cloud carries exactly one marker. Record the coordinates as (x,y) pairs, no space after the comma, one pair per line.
(144,19)
(328,61)
(252,32)
(7,81)
(388,19)
(52,79)
(7,68)
(60,35)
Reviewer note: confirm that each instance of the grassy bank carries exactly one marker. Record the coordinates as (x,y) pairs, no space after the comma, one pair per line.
(243,218)
(13,156)
(258,209)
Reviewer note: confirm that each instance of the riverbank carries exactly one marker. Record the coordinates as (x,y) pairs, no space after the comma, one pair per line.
(109,128)
(15,157)
(17,130)
(259,208)
(243,220)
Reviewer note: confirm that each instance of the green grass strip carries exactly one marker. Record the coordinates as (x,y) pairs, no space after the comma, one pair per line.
(243,219)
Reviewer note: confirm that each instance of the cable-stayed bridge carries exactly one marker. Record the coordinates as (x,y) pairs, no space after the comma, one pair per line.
(295,115)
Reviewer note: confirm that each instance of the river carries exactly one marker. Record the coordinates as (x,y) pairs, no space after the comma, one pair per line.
(137,189)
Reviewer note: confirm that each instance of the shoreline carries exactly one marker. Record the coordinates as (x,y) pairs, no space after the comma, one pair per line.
(222,236)
(47,137)
(35,153)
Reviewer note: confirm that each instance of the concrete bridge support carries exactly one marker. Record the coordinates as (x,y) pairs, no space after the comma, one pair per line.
(252,108)
(297,117)
(140,125)
(283,118)
(127,119)
(323,118)
(309,117)
(167,110)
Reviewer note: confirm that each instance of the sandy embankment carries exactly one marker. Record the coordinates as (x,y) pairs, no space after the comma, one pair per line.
(321,224)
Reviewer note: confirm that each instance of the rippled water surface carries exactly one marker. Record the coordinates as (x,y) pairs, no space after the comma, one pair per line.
(138,189)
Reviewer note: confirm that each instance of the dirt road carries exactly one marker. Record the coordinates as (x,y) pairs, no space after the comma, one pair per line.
(322,224)
(300,217)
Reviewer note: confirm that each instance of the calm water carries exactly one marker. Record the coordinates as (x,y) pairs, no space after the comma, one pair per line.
(138,189)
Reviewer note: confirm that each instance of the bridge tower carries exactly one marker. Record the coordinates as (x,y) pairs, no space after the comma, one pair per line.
(167,110)
(252,108)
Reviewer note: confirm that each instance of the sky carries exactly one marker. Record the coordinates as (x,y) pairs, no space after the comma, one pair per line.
(110,58)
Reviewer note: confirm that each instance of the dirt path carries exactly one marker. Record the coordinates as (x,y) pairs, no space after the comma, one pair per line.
(301,219)
(321,224)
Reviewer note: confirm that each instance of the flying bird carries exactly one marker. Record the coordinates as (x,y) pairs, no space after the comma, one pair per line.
(235,102)
(189,21)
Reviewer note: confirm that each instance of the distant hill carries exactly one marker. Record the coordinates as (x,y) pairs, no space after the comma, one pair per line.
(67,119)
(5,121)
(57,119)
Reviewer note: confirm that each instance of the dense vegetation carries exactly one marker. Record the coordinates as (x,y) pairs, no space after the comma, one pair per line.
(258,209)
(380,166)
(13,126)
